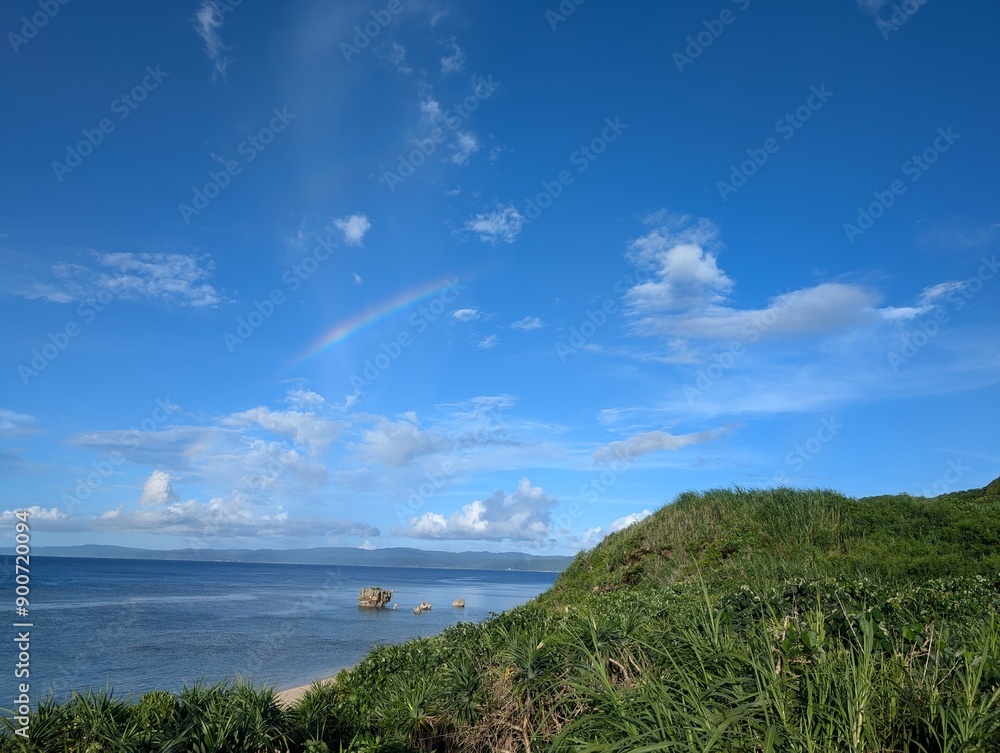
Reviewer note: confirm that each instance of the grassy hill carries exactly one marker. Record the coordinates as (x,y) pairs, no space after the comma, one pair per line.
(731,620)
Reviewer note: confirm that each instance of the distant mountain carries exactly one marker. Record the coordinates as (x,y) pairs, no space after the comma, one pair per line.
(332,555)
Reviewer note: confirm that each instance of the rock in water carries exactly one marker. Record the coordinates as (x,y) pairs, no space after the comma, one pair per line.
(374,598)
(458,603)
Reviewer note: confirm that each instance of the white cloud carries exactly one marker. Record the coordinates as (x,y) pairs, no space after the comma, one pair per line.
(685,293)
(654,441)
(306,430)
(354,228)
(358,280)
(39,518)
(489,342)
(503,224)
(627,520)
(528,323)
(157,490)
(465,146)
(466,315)
(300,398)
(455,62)
(367,546)
(396,443)
(235,518)
(15,424)
(174,279)
(208,19)
(524,515)
(394,55)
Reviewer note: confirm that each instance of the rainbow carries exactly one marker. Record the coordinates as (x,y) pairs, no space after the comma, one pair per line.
(345,329)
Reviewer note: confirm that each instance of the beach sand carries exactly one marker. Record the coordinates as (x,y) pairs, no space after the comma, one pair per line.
(291,696)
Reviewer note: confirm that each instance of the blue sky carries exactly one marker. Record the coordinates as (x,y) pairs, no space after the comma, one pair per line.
(488,275)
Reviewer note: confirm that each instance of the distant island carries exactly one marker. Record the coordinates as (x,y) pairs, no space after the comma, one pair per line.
(330,555)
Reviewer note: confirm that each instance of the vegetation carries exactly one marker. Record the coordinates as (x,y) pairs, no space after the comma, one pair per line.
(734,620)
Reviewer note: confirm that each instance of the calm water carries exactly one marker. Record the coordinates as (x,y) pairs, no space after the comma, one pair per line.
(142,625)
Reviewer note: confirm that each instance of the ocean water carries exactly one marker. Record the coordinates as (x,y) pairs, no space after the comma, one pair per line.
(135,626)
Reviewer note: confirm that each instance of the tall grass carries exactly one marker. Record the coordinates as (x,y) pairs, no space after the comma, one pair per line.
(731,621)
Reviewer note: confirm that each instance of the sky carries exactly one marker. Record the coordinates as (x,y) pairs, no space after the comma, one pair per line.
(489,276)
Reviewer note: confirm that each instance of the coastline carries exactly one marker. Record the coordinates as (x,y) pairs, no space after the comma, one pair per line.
(291,696)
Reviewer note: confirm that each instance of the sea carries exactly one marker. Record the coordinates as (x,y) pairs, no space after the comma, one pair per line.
(131,626)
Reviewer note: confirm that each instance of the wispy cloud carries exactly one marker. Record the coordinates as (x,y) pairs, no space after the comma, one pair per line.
(654,441)
(208,20)
(503,224)
(466,315)
(173,279)
(488,343)
(454,62)
(528,323)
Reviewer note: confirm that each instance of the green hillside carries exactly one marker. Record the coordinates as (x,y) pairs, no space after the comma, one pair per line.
(731,537)
(732,620)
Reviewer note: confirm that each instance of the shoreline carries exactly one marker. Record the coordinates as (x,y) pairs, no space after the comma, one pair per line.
(290,696)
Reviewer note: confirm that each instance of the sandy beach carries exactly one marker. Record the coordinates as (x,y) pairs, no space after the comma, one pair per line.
(291,696)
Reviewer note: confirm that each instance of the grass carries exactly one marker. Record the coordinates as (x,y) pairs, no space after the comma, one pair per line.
(734,620)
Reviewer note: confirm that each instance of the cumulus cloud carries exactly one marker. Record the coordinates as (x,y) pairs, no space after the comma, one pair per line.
(354,228)
(396,443)
(503,224)
(627,520)
(683,293)
(208,20)
(307,430)
(51,519)
(219,518)
(466,315)
(524,515)
(654,441)
(301,398)
(157,490)
(528,323)
(173,279)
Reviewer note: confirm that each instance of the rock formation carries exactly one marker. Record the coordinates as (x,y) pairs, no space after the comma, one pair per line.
(458,603)
(374,598)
